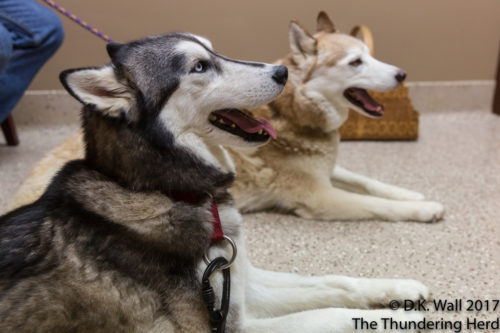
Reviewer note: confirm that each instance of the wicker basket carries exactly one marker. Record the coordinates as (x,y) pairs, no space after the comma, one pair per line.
(400,120)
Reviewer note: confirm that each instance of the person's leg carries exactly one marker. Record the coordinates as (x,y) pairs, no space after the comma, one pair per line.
(36,33)
(7,124)
(5,48)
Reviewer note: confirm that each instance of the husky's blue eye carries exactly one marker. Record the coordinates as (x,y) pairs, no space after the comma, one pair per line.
(200,67)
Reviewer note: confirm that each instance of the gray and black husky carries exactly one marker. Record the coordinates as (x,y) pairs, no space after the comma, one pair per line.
(108,248)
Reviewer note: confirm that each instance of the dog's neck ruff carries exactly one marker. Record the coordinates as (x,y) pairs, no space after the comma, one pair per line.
(218,232)
(145,157)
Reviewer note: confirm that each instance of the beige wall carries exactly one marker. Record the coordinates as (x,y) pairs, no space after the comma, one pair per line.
(432,39)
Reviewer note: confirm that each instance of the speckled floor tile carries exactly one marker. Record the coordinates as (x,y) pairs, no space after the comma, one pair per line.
(456,161)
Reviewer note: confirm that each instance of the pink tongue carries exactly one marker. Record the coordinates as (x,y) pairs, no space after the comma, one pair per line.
(247,123)
(368,102)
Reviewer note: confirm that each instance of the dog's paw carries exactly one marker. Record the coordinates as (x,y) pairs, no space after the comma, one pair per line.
(407,290)
(381,292)
(429,211)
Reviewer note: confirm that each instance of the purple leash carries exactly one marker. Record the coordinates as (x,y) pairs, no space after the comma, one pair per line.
(74,18)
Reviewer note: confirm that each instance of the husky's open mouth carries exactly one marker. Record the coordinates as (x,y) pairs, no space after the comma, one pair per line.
(238,123)
(360,98)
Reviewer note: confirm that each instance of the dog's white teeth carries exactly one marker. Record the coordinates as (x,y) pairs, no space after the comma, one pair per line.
(221,121)
(260,132)
(379,108)
(213,118)
(233,126)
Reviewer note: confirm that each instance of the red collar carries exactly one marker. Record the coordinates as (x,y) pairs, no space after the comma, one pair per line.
(218,233)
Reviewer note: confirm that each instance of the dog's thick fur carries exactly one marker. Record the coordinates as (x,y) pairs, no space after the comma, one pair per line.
(106,249)
(297,172)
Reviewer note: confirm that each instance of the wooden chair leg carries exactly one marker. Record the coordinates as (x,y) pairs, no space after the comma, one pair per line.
(9,131)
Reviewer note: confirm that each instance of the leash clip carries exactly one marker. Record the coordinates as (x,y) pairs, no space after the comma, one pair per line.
(217,317)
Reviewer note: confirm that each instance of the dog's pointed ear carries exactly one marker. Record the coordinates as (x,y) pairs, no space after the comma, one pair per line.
(301,42)
(98,87)
(324,23)
(113,49)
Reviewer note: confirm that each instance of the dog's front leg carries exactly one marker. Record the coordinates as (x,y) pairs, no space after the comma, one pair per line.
(333,320)
(275,293)
(351,181)
(324,202)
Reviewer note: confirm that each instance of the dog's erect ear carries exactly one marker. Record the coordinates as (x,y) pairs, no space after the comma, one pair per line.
(325,23)
(113,49)
(98,87)
(301,42)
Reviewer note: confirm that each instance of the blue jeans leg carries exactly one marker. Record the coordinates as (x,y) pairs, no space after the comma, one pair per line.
(35,33)
(5,48)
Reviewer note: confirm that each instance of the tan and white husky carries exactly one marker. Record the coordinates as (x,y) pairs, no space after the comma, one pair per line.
(328,74)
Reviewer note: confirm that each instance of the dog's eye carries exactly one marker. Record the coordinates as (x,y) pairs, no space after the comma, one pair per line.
(356,62)
(200,67)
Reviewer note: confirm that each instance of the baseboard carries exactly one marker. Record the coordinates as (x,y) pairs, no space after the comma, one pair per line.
(56,107)
(47,108)
(444,96)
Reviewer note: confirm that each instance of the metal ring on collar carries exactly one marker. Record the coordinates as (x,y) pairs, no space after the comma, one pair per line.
(230,261)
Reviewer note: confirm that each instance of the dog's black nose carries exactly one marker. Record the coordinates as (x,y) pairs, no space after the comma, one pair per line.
(401,76)
(280,75)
